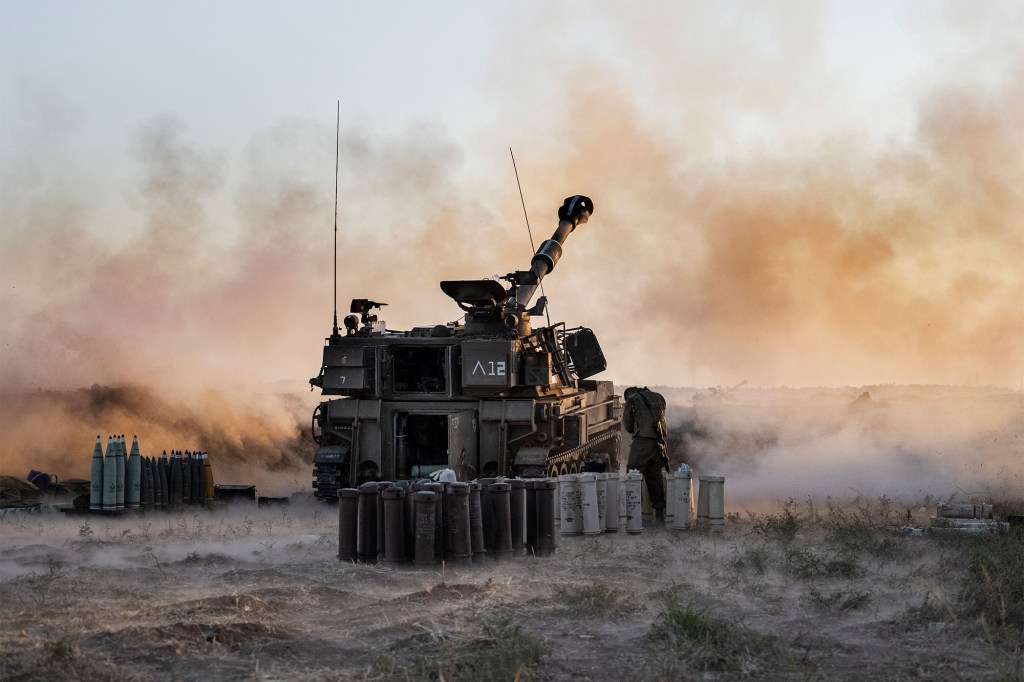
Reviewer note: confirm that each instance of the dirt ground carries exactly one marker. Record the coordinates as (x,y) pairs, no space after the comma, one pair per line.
(247,593)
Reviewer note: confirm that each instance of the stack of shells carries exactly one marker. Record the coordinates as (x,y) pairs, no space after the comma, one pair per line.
(123,480)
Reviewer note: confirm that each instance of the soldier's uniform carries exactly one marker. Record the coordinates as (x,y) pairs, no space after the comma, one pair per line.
(644,417)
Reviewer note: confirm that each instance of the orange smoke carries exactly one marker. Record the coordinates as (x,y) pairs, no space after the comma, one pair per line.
(724,246)
(250,440)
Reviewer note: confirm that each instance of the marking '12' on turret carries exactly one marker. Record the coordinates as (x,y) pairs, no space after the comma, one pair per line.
(494,369)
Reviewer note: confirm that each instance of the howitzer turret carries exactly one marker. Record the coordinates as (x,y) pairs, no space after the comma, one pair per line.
(485,397)
(574,212)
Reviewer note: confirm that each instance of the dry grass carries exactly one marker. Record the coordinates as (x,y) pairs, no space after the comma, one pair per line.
(685,638)
(593,600)
(802,593)
(495,651)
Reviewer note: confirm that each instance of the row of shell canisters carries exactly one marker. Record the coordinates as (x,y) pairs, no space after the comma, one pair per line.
(426,522)
(123,479)
(596,503)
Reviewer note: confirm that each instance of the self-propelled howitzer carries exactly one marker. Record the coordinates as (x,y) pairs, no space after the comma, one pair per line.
(486,396)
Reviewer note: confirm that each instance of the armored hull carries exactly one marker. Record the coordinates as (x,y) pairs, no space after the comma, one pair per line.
(485,397)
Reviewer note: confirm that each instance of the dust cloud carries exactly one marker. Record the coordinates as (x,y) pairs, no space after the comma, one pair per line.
(251,439)
(751,240)
(912,444)
(738,234)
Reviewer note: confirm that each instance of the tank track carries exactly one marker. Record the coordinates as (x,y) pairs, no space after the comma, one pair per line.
(326,482)
(574,458)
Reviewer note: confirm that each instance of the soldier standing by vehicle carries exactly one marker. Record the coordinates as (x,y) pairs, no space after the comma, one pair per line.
(644,418)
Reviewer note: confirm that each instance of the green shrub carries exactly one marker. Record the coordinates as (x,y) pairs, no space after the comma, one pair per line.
(501,651)
(690,624)
(994,589)
(804,563)
(755,559)
(685,637)
(864,529)
(782,526)
(593,600)
(838,600)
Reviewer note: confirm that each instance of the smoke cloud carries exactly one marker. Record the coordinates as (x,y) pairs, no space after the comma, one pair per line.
(913,444)
(252,438)
(746,248)
(738,234)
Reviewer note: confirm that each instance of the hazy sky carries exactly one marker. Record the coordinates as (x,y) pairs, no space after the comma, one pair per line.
(795,193)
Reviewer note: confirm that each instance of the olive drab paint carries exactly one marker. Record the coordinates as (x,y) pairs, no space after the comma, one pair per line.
(96,477)
(348,519)
(133,476)
(110,476)
(426,507)
(174,480)
(208,467)
(394,524)
(119,468)
(501,518)
(611,514)
(487,396)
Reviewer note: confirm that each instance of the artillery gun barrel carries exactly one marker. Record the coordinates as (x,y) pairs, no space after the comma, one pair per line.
(574,212)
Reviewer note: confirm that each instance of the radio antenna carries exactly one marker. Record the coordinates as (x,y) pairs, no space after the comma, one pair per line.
(528,230)
(337,154)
